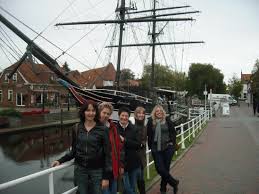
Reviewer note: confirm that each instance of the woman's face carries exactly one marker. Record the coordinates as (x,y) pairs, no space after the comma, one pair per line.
(105,115)
(124,118)
(90,113)
(140,115)
(159,113)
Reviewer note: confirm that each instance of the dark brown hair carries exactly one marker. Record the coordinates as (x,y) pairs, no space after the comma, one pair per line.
(84,107)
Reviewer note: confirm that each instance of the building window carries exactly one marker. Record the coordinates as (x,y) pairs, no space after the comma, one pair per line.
(6,79)
(19,99)
(107,83)
(1,96)
(15,77)
(10,95)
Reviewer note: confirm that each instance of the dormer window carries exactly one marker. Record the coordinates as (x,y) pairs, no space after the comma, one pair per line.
(15,77)
(6,79)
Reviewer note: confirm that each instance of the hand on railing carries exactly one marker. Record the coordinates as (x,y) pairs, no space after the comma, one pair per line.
(55,163)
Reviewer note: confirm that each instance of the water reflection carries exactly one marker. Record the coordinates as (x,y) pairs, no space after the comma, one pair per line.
(25,153)
(35,145)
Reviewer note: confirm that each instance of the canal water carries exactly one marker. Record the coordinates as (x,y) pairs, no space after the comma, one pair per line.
(29,152)
(25,153)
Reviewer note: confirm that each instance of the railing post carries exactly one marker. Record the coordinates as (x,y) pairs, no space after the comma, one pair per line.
(51,183)
(182,137)
(147,156)
(189,130)
(193,129)
(200,117)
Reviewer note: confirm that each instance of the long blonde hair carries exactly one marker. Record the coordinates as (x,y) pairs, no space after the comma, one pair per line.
(153,114)
(138,110)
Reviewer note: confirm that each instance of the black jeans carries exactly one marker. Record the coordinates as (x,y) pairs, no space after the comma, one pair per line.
(162,161)
(88,181)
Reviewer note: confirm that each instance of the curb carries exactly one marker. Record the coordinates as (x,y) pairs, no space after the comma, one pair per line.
(157,177)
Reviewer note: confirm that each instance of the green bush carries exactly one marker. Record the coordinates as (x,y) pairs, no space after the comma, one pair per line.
(10,113)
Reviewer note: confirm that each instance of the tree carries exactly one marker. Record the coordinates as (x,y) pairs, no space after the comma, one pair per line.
(200,75)
(164,77)
(235,86)
(66,67)
(255,80)
(126,74)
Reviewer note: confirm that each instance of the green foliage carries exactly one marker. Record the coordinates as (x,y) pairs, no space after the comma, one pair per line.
(255,79)
(235,86)
(10,113)
(126,74)
(66,67)
(200,75)
(164,77)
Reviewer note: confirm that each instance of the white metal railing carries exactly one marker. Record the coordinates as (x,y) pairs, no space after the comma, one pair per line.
(187,130)
(192,127)
(48,172)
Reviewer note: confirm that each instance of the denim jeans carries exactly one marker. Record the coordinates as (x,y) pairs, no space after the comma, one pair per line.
(112,187)
(88,180)
(133,177)
(162,161)
(126,183)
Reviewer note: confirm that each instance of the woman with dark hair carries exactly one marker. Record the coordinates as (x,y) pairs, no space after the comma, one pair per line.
(91,151)
(162,142)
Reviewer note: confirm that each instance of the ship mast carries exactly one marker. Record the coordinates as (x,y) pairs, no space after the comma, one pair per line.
(122,9)
(152,84)
(39,53)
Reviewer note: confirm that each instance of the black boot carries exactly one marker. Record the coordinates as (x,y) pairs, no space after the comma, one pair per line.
(141,186)
(176,187)
(174,183)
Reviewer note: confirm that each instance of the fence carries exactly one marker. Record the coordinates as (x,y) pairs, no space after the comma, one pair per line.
(187,130)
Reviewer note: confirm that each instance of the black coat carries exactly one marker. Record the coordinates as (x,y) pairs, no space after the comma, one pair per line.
(90,149)
(151,130)
(132,145)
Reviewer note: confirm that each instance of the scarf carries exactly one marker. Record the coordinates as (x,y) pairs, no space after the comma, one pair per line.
(157,137)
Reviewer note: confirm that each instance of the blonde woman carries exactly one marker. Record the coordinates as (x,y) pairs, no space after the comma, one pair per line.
(139,116)
(162,142)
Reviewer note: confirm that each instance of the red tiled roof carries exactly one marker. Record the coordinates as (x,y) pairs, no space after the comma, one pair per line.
(40,73)
(245,77)
(33,73)
(96,76)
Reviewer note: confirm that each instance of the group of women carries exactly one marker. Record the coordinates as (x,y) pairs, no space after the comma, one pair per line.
(110,157)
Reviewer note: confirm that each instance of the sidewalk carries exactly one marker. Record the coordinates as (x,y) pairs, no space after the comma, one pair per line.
(225,158)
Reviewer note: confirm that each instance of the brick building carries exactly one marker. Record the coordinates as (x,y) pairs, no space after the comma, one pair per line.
(99,77)
(246,92)
(32,81)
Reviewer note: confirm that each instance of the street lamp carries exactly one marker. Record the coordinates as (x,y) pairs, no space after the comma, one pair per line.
(44,87)
(205,95)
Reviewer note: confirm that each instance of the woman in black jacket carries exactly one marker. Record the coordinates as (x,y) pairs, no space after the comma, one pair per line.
(162,142)
(91,151)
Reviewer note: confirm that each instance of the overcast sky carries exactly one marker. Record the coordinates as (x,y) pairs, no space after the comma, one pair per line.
(229,28)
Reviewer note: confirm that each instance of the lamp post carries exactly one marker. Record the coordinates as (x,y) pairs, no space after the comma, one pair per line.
(44,87)
(205,95)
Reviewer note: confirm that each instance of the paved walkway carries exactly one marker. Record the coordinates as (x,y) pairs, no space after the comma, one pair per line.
(225,158)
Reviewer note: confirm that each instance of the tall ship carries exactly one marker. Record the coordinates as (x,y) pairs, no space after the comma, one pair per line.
(156,18)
